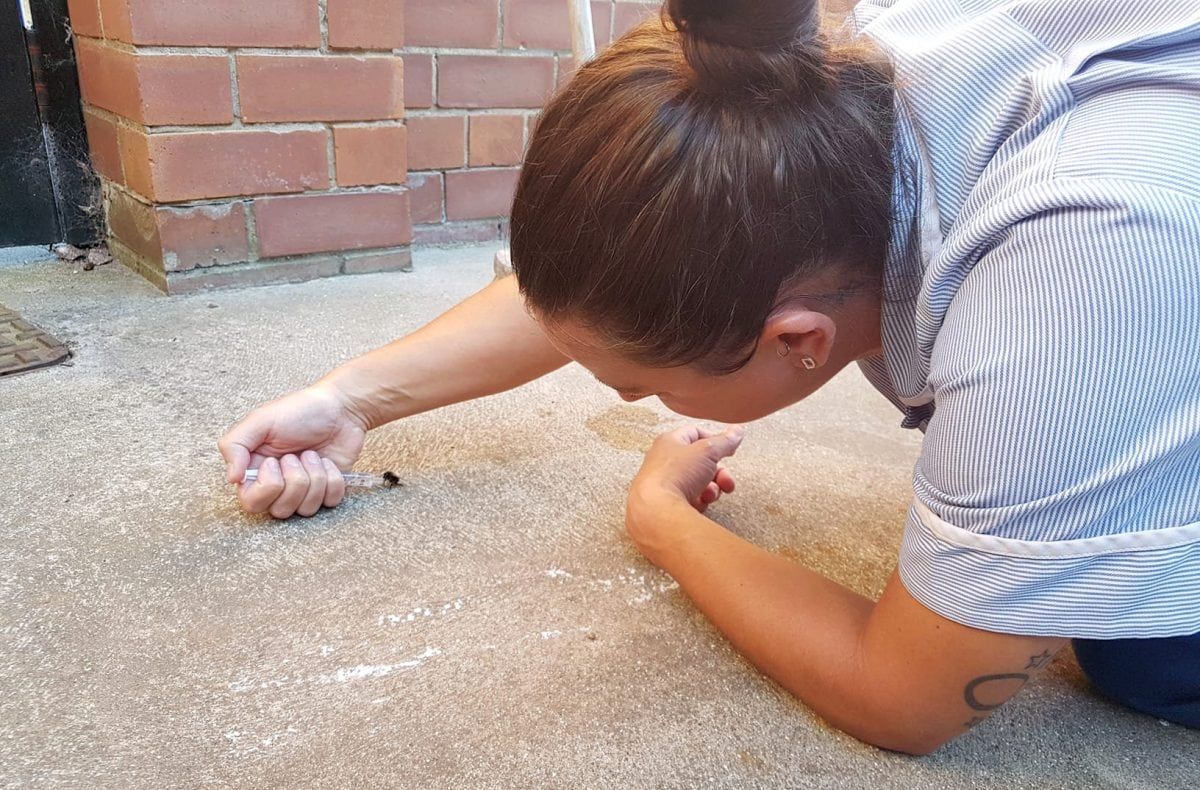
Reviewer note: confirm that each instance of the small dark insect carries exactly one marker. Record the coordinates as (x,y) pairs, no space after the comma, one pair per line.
(391,480)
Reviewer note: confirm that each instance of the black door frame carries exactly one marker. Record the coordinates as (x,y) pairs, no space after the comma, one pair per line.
(30,213)
(76,188)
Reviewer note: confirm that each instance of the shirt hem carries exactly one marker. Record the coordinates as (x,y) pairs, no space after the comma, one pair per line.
(1126,542)
(1139,594)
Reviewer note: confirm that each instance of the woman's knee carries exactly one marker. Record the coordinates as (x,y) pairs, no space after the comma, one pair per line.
(1159,677)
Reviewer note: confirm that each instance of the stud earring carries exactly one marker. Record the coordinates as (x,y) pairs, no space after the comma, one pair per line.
(785,350)
(809,363)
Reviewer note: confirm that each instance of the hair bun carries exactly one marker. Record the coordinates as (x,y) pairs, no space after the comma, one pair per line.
(751,44)
(750,24)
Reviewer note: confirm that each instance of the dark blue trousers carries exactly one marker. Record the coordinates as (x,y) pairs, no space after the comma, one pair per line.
(1160,677)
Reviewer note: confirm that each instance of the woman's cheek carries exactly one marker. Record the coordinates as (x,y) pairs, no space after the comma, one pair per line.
(674,405)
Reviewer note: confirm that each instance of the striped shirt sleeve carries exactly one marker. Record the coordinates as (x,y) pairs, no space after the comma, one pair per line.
(1058,489)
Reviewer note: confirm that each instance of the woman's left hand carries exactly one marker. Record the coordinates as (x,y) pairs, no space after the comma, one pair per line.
(682,467)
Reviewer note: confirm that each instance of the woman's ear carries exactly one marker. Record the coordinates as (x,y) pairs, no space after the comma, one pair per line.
(802,335)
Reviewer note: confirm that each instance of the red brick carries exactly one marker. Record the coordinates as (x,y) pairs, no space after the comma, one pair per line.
(175,167)
(185,89)
(418,81)
(107,77)
(247,274)
(437,142)
(497,140)
(458,232)
(476,194)
(131,222)
(151,271)
(342,221)
(102,142)
(370,155)
(114,15)
(85,17)
(155,90)
(425,191)
(320,88)
(545,24)
(494,80)
(626,15)
(202,236)
(452,23)
(366,24)
(233,23)
(395,261)
(135,160)
(566,69)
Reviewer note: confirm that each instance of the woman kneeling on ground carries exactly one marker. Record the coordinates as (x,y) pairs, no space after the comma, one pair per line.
(992,207)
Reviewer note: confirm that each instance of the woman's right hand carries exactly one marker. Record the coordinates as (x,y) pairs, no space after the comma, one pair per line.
(300,445)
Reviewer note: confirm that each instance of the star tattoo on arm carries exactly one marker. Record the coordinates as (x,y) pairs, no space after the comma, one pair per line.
(1039,661)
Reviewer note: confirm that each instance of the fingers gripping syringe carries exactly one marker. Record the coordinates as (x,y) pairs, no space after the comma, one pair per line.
(353,479)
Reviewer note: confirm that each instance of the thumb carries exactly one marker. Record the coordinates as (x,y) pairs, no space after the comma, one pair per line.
(237,445)
(724,444)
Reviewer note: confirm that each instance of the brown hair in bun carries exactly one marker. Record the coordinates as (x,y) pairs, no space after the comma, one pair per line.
(699,166)
(753,45)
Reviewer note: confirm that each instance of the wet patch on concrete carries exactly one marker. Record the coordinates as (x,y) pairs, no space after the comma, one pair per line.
(626,427)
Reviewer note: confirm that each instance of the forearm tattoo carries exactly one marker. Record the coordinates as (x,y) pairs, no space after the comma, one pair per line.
(981,690)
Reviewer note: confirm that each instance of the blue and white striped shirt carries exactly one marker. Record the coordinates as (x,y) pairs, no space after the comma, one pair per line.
(1042,323)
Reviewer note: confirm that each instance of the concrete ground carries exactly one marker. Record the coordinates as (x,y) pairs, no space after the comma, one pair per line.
(28,254)
(486,626)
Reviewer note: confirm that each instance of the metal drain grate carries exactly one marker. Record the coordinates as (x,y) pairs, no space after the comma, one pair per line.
(25,347)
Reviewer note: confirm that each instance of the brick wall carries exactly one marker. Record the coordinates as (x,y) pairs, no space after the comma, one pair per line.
(476,73)
(243,142)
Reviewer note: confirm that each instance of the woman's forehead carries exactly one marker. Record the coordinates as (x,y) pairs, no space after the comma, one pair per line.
(594,352)
(575,337)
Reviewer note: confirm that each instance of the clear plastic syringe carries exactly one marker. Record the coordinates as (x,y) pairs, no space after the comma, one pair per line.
(353,479)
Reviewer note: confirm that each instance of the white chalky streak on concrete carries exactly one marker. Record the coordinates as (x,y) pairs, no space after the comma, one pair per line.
(421,611)
(341,675)
(583,629)
(365,671)
(646,588)
(241,744)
